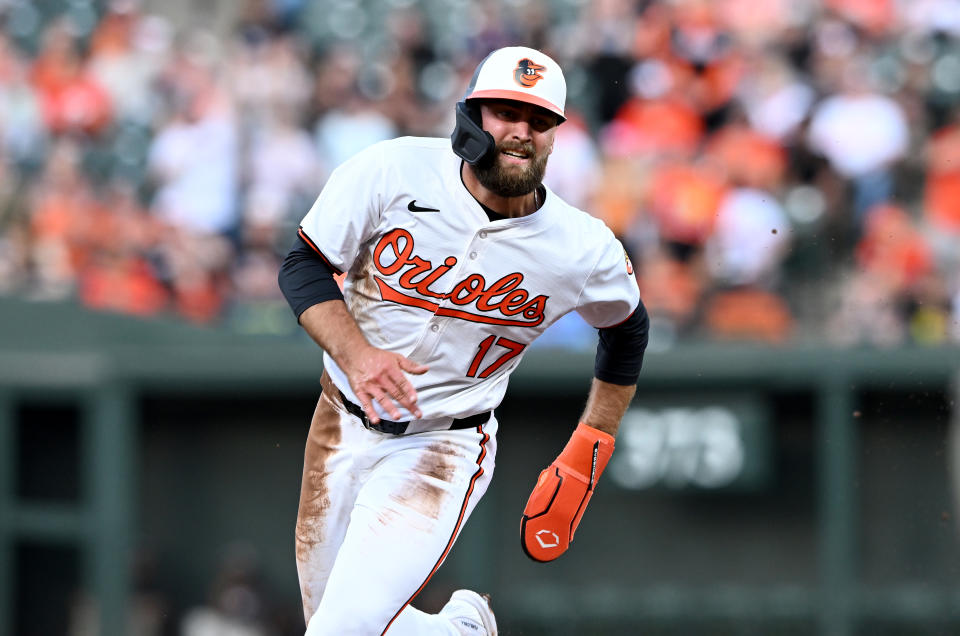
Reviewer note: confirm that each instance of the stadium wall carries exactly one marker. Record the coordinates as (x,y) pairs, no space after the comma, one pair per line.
(754,490)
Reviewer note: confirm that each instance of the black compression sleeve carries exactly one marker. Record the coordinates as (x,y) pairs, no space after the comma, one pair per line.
(620,349)
(305,278)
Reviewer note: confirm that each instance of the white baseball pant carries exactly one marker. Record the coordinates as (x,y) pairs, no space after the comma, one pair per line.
(378,515)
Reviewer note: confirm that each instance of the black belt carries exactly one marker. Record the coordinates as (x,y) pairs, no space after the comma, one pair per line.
(398,428)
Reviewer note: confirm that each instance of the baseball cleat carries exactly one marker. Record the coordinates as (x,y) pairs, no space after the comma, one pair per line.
(470,613)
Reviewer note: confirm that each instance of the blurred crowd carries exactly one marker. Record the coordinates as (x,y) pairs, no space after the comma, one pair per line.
(779,171)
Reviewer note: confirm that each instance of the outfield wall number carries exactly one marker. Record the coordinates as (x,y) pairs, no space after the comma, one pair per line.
(678,448)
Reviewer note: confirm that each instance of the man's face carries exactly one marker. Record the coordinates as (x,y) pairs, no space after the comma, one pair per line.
(524,136)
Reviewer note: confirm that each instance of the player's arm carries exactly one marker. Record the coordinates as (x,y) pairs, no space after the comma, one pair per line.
(307,282)
(564,488)
(617,367)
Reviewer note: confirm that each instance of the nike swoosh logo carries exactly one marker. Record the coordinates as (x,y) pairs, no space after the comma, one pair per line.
(413,207)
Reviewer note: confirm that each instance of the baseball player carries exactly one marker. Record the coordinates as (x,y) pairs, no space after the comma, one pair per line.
(456,258)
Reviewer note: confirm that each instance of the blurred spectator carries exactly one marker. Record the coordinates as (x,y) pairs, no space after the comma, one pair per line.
(266,73)
(694,126)
(604,38)
(284,176)
(14,236)
(744,256)
(127,52)
(685,200)
(862,134)
(750,239)
(942,196)
(573,172)
(196,268)
(775,99)
(894,248)
(661,126)
(120,275)
(61,204)
(71,98)
(349,120)
(748,157)
(193,158)
(236,606)
(672,289)
(865,312)
(748,313)
(716,65)
(22,127)
(892,278)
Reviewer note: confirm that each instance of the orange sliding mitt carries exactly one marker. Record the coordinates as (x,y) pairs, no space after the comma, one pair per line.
(563,490)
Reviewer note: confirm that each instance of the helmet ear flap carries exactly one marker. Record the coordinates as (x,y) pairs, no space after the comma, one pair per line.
(469,140)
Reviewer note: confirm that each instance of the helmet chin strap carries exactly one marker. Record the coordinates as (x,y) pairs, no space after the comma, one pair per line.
(469,140)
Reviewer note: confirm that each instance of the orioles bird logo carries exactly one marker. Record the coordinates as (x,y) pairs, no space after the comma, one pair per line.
(527,73)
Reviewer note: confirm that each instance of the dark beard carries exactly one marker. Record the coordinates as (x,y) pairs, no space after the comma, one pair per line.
(510,183)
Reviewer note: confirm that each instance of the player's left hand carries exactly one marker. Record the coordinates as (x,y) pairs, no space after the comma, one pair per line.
(563,490)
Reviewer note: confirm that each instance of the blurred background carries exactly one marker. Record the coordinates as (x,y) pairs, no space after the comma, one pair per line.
(785,176)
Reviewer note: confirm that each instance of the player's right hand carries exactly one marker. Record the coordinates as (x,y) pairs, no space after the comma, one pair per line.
(379,376)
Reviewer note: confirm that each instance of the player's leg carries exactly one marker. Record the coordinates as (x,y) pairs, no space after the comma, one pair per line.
(404,524)
(332,460)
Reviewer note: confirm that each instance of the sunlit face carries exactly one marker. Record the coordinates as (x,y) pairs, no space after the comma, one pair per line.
(524,136)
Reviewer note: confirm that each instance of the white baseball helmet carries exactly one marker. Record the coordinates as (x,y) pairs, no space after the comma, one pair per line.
(514,72)
(521,74)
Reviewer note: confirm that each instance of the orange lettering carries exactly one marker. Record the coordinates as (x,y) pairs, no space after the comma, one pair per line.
(534,310)
(506,284)
(472,285)
(392,239)
(503,295)
(514,302)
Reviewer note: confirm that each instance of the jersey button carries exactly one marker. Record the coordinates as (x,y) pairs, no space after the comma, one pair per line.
(473,256)
(434,327)
(483,234)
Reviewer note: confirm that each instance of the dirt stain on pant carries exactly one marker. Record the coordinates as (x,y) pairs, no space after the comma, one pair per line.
(322,442)
(422,492)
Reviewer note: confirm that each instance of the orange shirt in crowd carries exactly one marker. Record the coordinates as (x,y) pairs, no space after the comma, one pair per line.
(60,217)
(113,34)
(618,197)
(942,191)
(893,247)
(669,288)
(70,98)
(122,284)
(197,297)
(748,157)
(718,83)
(685,200)
(748,314)
(654,127)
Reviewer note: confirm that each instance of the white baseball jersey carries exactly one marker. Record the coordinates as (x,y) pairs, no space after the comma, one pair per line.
(429,276)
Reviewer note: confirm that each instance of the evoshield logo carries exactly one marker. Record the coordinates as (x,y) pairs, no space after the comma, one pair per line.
(547,539)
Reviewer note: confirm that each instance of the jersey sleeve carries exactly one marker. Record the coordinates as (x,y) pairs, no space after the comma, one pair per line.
(348,209)
(610,293)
